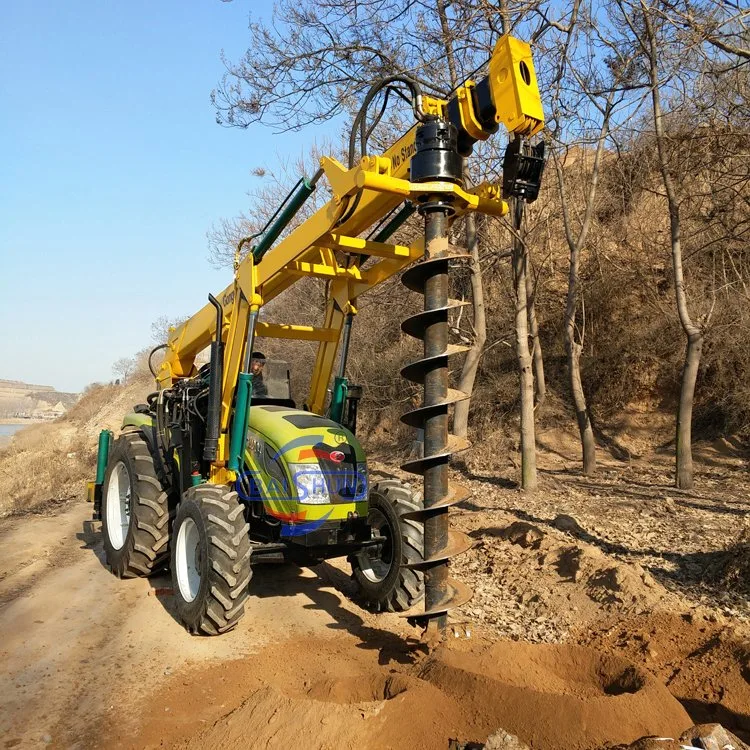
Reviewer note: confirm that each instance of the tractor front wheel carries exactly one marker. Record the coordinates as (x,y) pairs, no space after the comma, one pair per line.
(384,583)
(210,559)
(135,510)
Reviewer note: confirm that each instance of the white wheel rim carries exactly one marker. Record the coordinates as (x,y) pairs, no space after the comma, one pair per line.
(118,505)
(375,567)
(187,559)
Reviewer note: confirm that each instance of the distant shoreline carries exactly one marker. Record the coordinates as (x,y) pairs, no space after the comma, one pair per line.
(21,420)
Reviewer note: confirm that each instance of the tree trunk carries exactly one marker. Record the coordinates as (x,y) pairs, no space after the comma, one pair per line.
(536,351)
(573,350)
(694,333)
(573,347)
(684,468)
(525,364)
(579,402)
(471,363)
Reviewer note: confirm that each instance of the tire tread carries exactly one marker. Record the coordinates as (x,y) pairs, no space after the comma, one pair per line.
(146,546)
(229,571)
(408,589)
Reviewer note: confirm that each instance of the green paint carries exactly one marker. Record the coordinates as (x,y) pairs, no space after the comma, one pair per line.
(384,234)
(338,398)
(304,191)
(270,433)
(239,424)
(137,420)
(105,436)
(290,441)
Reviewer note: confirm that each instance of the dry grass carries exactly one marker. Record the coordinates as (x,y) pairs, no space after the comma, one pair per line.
(48,464)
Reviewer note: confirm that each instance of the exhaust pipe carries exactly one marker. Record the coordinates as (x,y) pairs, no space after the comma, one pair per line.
(211,445)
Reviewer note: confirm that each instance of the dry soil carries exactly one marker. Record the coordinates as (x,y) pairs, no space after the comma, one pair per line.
(601,614)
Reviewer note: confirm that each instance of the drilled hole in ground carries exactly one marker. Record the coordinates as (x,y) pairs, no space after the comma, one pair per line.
(358,689)
(545,669)
(628,681)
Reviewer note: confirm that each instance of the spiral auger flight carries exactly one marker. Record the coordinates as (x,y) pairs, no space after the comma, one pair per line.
(430,278)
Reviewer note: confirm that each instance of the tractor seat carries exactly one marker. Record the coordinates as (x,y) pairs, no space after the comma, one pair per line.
(270,401)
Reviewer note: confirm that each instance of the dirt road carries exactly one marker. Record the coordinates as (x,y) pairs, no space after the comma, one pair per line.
(91,661)
(80,647)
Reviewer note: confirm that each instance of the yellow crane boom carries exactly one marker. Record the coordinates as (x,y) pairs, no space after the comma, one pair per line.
(201,476)
(362,196)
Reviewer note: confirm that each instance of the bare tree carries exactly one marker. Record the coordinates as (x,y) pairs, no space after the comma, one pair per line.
(669,61)
(523,354)
(161,327)
(576,239)
(124,368)
(724,24)
(693,332)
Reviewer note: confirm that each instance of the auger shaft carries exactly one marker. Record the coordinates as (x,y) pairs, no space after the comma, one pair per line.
(436,159)
(436,426)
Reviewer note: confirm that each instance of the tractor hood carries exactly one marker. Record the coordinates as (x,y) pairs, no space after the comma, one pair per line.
(302,436)
(308,470)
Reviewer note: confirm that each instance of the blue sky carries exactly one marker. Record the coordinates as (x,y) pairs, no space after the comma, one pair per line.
(112,169)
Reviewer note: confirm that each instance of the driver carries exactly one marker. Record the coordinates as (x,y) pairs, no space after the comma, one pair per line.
(258,362)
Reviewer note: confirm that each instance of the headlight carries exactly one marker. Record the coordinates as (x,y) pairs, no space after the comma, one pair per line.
(361,493)
(310,483)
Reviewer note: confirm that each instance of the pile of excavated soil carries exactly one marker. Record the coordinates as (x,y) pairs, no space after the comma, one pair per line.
(705,664)
(325,694)
(536,583)
(554,696)
(732,569)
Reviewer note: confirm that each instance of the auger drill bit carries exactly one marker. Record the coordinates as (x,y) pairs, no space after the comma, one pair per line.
(436,159)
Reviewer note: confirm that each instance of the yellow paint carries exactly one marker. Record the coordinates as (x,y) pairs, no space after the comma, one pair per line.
(514,88)
(361,197)
(469,118)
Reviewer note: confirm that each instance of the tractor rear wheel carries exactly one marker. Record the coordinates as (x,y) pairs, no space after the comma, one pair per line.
(210,559)
(384,584)
(135,510)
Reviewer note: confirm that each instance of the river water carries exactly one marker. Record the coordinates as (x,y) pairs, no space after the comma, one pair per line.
(6,430)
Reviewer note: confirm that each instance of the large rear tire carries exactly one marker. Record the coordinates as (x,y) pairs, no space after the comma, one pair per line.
(135,510)
(384,583)
(210,559)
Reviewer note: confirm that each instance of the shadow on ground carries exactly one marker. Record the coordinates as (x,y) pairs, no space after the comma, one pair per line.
(693,573)
(285,580)
(709,713)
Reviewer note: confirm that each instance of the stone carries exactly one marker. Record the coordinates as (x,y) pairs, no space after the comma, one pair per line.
(567,523)
(523,534)
(502,740)
(712,737)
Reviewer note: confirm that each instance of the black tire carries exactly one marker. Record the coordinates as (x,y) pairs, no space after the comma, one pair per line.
(220,553)
(387,586)
(139,544)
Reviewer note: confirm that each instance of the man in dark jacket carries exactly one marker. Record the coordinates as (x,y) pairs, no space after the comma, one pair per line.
(258,362)
(260,389)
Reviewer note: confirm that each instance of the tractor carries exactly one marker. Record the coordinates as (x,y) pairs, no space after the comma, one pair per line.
(215,475)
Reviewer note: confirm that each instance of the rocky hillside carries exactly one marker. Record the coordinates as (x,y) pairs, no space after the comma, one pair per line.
(32,401)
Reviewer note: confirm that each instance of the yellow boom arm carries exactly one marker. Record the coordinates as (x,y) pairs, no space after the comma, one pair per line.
(362,196)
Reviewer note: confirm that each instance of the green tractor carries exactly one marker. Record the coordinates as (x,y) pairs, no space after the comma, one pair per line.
(213,476)
(303,496)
